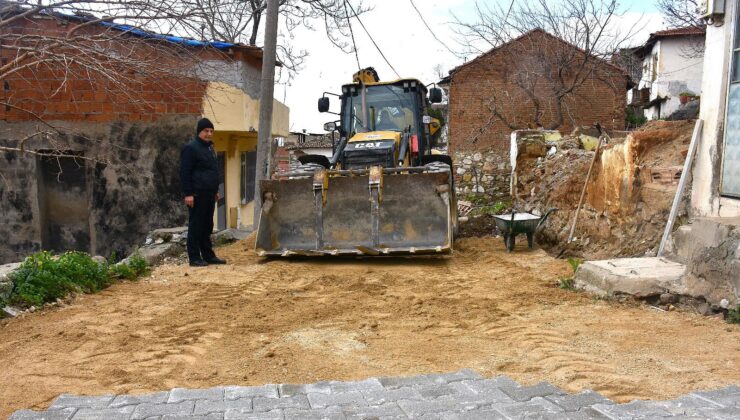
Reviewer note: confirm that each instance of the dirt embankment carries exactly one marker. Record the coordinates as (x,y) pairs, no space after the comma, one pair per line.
(627,199)
(295,321)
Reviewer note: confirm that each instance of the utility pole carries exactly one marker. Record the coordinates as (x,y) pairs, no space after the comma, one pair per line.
(267,87)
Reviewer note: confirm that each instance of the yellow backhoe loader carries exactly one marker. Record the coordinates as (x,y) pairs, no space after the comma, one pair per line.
(384,191)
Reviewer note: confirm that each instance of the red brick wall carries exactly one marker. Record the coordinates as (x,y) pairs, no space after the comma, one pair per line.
(54,92)
(493,84)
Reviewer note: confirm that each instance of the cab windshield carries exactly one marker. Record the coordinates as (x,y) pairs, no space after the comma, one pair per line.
(389,108)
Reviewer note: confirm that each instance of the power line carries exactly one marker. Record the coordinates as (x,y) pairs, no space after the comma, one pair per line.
(352,35)
(346,3)
(430,29)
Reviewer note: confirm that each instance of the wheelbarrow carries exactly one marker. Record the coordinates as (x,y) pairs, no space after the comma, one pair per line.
(519,222)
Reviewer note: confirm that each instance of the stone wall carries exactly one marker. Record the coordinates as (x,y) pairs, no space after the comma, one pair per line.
(482,173)
(132,181)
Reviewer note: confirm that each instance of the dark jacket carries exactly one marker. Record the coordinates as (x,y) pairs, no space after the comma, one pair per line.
(199,167)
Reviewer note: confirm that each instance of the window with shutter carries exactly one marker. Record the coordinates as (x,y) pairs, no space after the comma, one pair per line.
(731,155)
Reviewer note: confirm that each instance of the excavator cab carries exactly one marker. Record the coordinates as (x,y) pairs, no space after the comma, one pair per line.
(384,191)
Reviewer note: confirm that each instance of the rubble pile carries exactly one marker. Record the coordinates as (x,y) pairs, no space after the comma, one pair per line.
(628,196)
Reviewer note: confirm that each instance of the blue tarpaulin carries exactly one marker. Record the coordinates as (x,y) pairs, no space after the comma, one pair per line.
(169,38)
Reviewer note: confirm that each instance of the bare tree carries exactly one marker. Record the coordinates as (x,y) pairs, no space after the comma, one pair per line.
(680,13)
(546,73)
(241,21)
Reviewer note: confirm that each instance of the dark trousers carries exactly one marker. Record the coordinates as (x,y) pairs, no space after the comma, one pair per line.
(200,226)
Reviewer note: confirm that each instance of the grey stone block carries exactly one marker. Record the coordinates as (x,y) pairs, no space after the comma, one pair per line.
(422,408)
(373,397)
(387,410)
(726,397)
(583,414)
(535,408)
(123,413)
(236,392)
(633,410)
(240,415)
(124,400)
(183,394)
(436,378)
(481,414)
(526,393)
(329,413)
(289,390)
(207,407)
(67,400)
(318,400)
(63,414)
(578,401)
(726,413)
(143,411)
(268,404)
(368,384)
(212,416)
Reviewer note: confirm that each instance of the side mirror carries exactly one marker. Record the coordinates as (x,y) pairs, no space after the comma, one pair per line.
(324,104)
(330,126)
(435,95)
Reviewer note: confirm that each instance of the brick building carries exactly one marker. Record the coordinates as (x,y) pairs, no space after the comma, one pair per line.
(101,112)
(534,81)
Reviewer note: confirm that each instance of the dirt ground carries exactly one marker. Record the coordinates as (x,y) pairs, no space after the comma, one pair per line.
(277,321)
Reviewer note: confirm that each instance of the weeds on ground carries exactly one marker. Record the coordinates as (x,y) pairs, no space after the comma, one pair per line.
(567,284)
(733,315)
(135,267)
(574,263)
(484,205)
(44,277)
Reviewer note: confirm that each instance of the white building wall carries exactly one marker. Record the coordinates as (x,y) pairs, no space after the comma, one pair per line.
(705,198)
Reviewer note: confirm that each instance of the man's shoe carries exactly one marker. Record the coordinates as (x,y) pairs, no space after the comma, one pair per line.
(215,260)
(198,263)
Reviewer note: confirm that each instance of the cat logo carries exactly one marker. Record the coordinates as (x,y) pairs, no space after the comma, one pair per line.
(368,145)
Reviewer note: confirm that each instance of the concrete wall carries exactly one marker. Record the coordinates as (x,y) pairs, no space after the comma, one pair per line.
(705,193)
(230,109)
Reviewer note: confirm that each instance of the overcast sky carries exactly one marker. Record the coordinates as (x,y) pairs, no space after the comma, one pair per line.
(407,44)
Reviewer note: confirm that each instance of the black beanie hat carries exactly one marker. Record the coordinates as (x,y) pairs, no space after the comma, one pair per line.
(203,123)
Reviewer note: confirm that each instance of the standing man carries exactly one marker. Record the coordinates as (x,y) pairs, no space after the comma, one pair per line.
(200,177)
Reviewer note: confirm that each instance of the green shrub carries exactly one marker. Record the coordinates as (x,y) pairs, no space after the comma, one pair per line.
(733,315)
(43,277)
(567,284)
(634,120)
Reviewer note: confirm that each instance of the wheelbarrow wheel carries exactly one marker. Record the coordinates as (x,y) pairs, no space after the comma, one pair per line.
(506,239)
(530,239)
(510,242)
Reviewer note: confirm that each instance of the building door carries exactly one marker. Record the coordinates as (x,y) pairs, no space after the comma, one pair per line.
(64,204)
(221,205)
(731,157)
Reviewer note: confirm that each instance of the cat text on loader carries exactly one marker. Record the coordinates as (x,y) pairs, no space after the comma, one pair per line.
(384,191)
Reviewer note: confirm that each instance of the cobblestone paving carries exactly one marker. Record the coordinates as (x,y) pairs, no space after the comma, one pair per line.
(458,395)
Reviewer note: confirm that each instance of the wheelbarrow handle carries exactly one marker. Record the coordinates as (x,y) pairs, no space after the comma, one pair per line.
(554,209)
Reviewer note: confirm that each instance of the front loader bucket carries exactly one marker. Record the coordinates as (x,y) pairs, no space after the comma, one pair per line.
(370,212)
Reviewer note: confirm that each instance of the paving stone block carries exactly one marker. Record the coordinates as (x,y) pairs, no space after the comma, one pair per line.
(422,408)
(143,411)
(430,392)
(289,390)
(725,413)
(123,413)
(318,400)
(212,416)
(261,404)
(67,400)
(726,397)
(492,387)
(184,394)
(480,414)
(435,378)
(124,400)
(236,392)
(330,413)
(373,397)
(387,410)
(240,415)
(368,384)
(526,393)
(578,401)
(207,407)
(537,407)
(62,414)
